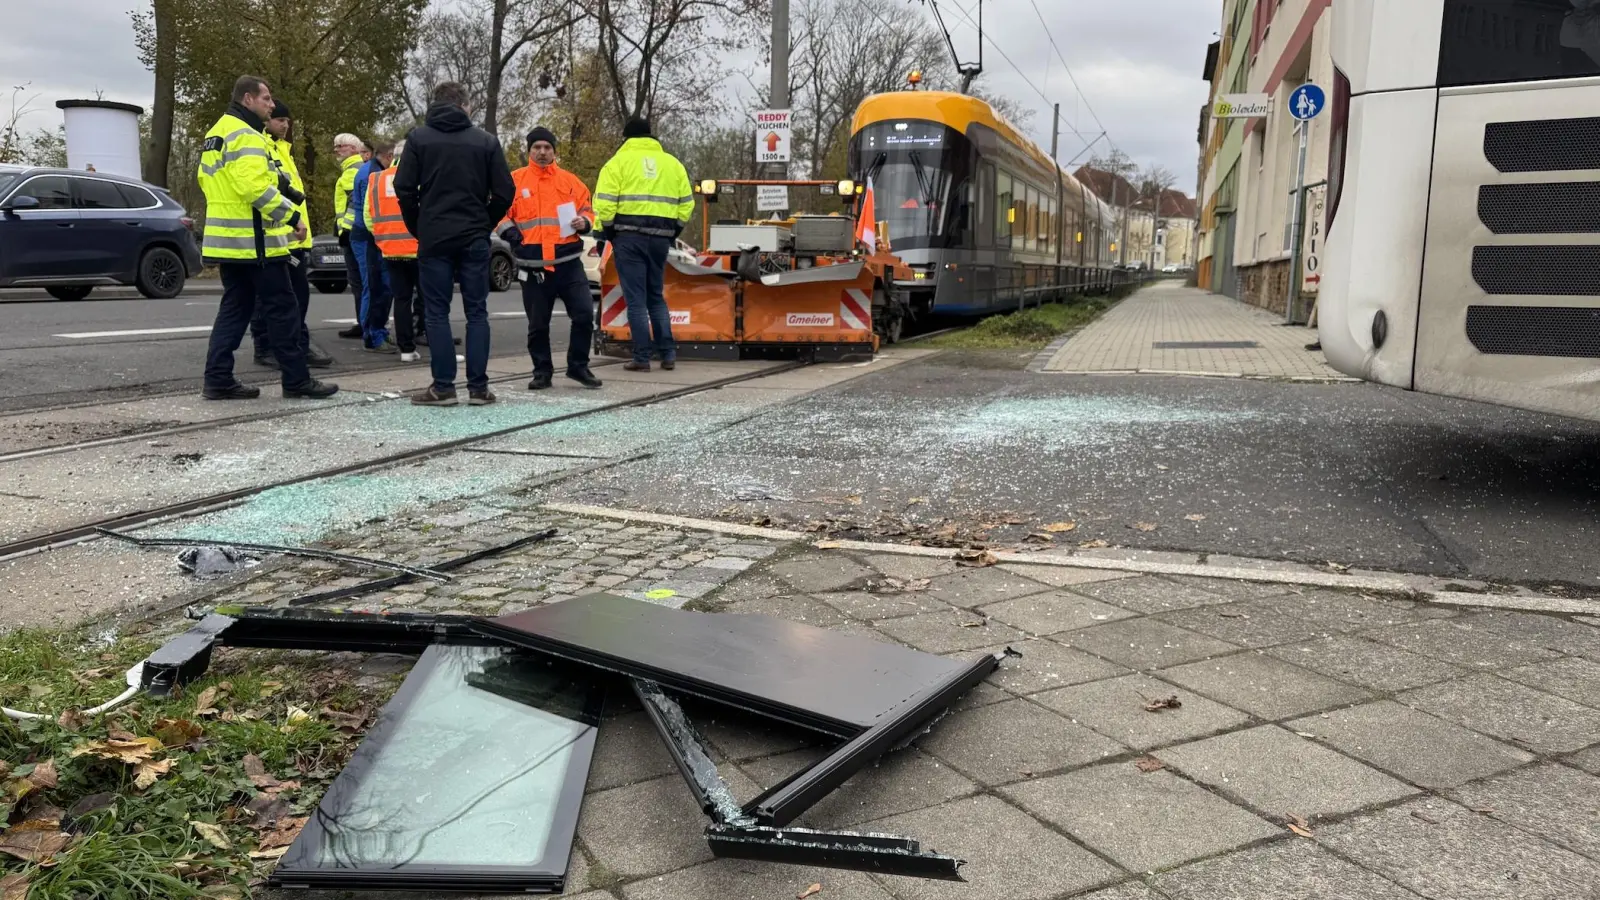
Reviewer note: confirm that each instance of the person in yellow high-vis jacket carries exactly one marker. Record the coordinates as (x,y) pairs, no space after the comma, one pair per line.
(251,218)
(278,128)
(350,151)
(642,201)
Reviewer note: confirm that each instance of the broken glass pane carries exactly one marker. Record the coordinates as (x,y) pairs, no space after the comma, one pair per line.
(472,778)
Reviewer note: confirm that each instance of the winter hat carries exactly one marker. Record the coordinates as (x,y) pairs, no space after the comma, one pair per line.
(541,133)
(637,127)
(280,110)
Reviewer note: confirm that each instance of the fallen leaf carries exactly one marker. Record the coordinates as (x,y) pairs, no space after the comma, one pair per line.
(1195,517)
(813,889)
(267,809)
(1149,764)
(1300,820)
(1144,526)
(213,834)
(1162,467)
(35,845)
(268,688)
(828,545)
(346,721)
(1482,810)
(253,765)
(1424,817)
(43,775)
(915,500)
(853,499)
(976,558)
(1059,527)
(273,853)
(1039,537)
(14,887)
(176,732)
(297,714)
(116,733)
(1300,830)
(146,773)
(72,719)
(283,832)
(1165,703)
(203,703)
(1095,544)
(91,803)
(129,751)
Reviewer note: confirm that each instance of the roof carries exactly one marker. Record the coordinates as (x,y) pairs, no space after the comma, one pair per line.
(1108,186)
(104,176)
(99,104)
(1178,205)
(957,111)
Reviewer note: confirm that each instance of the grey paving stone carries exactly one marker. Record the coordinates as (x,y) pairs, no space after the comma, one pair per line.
(1045,665)
(1255,623)
(752,585)
(795,608)
(1009,855)
(1509,711)
(1053,612)
(1420,748)
(1116,708)
(1341,611)
(627,750)
(1132,890)
(815,573)
(1296,869)
(1574,678)
(648,828)
(1232,590)
(1062,576)
(980,587)
(1279,773)
(737,735)
(981,694)
(1442,850)
(1559,804)
(1552,632)
(1588,760)
(740,879)
(1142,821)
(1371,665)
(1010,741)
(907,567)
(1146,643)
(872,607)
(1150,594)
(944,632)
(1461,642)
(1264,686)
(901,782)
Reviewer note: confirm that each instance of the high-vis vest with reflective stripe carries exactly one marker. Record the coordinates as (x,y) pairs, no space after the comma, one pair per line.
(541,190)
(343,190)
(388,227)
(247,219)
(283,157)
(643,189)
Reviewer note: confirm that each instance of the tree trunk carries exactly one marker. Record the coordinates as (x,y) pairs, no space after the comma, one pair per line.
(497,32)
(159,154)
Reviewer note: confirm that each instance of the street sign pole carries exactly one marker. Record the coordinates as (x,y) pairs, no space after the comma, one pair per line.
(1291,309)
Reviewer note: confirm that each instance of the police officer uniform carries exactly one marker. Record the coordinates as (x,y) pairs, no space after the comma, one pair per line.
(344,221)
(642,202)
(291,184)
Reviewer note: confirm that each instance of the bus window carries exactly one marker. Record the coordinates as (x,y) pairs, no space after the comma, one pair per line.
(1005,209)
(1496,41)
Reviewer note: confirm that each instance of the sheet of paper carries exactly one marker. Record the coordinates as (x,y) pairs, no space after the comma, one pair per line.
(565,213)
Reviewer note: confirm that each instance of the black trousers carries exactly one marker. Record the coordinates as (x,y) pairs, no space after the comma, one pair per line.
(567,283)
(408,310)
(247,286)
(302,294)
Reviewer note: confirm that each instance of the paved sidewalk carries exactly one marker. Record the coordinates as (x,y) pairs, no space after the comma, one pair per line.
(1204,333)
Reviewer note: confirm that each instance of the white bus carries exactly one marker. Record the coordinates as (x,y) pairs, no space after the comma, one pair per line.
(1463,253)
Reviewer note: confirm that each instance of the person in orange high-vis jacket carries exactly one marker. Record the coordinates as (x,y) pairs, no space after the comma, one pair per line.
(549,215)
(399,251)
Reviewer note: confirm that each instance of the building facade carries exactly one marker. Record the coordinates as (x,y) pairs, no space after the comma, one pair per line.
(1248,166)
(1149,233)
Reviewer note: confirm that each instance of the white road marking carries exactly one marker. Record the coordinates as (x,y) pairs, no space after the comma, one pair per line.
(137,332)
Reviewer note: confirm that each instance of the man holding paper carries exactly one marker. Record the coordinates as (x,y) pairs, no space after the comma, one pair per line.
(549,215)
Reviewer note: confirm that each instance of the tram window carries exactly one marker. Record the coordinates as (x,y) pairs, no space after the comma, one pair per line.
(983,216)
(1052,229)
(1005,210)
(1019,229)
(1493,41)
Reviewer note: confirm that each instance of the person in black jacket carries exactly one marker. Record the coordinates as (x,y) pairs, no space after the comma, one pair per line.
(454,186)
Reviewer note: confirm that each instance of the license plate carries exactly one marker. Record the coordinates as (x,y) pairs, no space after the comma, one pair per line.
(334,259)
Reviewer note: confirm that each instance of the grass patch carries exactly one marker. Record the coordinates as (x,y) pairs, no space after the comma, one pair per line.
(193,795)
(1031,329)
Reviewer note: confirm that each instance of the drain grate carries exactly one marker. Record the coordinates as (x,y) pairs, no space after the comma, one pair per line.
(1204,345)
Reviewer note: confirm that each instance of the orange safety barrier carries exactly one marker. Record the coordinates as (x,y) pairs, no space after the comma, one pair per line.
(702,301)
(823,305)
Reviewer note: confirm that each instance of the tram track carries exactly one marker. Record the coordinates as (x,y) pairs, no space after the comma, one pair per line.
(88,530)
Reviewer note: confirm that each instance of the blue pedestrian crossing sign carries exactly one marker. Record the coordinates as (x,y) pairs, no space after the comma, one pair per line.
(1306,102)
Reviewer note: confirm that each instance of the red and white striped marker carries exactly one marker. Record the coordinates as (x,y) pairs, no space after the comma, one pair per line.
(613,308)
(855,309)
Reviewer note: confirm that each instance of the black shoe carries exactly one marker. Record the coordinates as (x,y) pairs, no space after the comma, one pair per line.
(480,398)
(669,364)
(318,358)
(539,383)
(270,362)
(434,397)
(354,331)
(313,390)
(237,392)
(422,338)
(582,376)
(635,367)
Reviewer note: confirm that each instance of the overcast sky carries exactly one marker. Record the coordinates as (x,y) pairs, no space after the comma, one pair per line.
(1138,64)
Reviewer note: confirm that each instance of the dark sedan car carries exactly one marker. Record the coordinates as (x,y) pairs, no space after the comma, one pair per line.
(70,232)
(327,271)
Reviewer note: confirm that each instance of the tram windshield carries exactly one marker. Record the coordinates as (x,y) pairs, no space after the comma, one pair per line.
(917,178)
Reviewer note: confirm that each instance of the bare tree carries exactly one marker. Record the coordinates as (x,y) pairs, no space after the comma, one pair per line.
(13,145)
(158,42)
(516,26)
(451,46)
(658,54)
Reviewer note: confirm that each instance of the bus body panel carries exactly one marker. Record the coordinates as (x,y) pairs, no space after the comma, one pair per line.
(1400,54)
(1448,360)
(1375,248)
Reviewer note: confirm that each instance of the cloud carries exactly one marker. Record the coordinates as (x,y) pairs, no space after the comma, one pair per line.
(70,50)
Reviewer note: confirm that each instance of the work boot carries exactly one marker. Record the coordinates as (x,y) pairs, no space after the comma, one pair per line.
(669,364)
(582,376)
(317,358)
(635,367)
(387,347)
(482,397)
(434,397)
(311,390)
(236,392)
(540,382)
(270,361)
(354,331)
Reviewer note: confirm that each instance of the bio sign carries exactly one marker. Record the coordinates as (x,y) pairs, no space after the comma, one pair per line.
(1311,254)
(1241,106)
(772,136)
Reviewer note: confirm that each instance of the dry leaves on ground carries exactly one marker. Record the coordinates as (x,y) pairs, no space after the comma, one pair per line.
(1164,703)
(1299,826)
(1038,537)
(204,704)
(282,833)
(176,732)
(1060,527)
(122,747)
(1195,517)
(1095,544)
(1148,764)
(813,889)
(213,835)
(258,775)
(72,719)
(35,841)
(1144,526)
(146,773)
(14,887)
(976,558)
